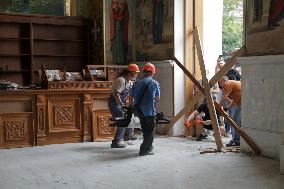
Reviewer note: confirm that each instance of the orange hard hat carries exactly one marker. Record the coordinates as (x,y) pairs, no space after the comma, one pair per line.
(149,67)
(133,68)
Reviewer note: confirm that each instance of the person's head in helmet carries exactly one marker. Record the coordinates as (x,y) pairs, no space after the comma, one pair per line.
(134,70)
(149,69)
(130,73)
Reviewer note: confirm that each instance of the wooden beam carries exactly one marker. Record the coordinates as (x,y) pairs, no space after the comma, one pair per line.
(208,95)
(243,134)
(223,71)
(221,111)
(230,63)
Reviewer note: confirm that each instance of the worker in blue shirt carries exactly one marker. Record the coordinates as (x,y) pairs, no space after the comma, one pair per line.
(146,93)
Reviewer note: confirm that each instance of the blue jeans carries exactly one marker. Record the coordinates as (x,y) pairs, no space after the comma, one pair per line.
(116,111)
(230,112)
(236,116)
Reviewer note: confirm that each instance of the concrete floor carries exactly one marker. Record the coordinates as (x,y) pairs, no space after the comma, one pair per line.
(177,164)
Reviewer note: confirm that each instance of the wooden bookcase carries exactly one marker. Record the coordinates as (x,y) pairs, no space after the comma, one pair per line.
(29,41)
(15,52)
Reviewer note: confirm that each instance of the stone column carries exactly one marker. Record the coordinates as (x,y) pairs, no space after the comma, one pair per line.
(263,104)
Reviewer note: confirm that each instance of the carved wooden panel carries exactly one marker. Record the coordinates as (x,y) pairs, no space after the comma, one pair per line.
(41,107)
(41,117)
(101,129)
(16,129)
(87,121)
(79,85)
(64,115)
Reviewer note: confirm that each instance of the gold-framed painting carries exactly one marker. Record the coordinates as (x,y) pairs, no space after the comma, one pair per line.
(118,31)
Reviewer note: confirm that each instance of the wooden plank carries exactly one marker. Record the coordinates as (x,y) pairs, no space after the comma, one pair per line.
(243,134)
(249,141)
(207,92)
(230,63)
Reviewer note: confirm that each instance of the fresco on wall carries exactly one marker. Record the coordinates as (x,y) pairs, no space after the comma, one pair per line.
(118,22)
(154,29)
(265,27)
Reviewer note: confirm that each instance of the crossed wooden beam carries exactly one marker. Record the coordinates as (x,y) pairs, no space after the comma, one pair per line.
(211,103)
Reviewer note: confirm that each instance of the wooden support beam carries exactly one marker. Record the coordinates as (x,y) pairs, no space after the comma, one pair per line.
(208,95)
(230,63)
(223,71)
(243,134)
(248,140)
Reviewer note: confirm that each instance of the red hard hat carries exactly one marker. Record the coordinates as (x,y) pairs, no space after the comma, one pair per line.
(149,67)
(133,68)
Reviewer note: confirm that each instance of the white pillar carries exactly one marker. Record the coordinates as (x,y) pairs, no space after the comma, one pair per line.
(212,33)
(179,78)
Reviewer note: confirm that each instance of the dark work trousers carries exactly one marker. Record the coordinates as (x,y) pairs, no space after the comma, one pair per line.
(148,126)
(116,111)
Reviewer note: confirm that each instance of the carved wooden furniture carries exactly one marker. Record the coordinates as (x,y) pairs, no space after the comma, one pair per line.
(65,110)
(16,121)
(39,117)
(101,130)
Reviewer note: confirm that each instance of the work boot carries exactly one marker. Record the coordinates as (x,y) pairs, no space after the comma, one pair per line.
(146,153)
(143,151)
(115,144)
(129,137)
(233,143)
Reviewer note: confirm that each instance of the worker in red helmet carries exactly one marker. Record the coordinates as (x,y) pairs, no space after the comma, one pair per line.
(201,119)
(133,68)
(120,91)
(146,94)
(150,68)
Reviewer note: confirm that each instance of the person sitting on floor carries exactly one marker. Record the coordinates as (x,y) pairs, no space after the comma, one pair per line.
(201,118)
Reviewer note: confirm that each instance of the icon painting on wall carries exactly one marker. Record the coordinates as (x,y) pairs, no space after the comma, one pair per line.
(118,21)
(154,29)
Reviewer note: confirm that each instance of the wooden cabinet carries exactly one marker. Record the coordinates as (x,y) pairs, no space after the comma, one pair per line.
(28,41)
(66,110)
(16,121)
(40,117)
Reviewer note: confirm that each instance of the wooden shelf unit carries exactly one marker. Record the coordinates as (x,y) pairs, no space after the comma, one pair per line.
(29,41)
